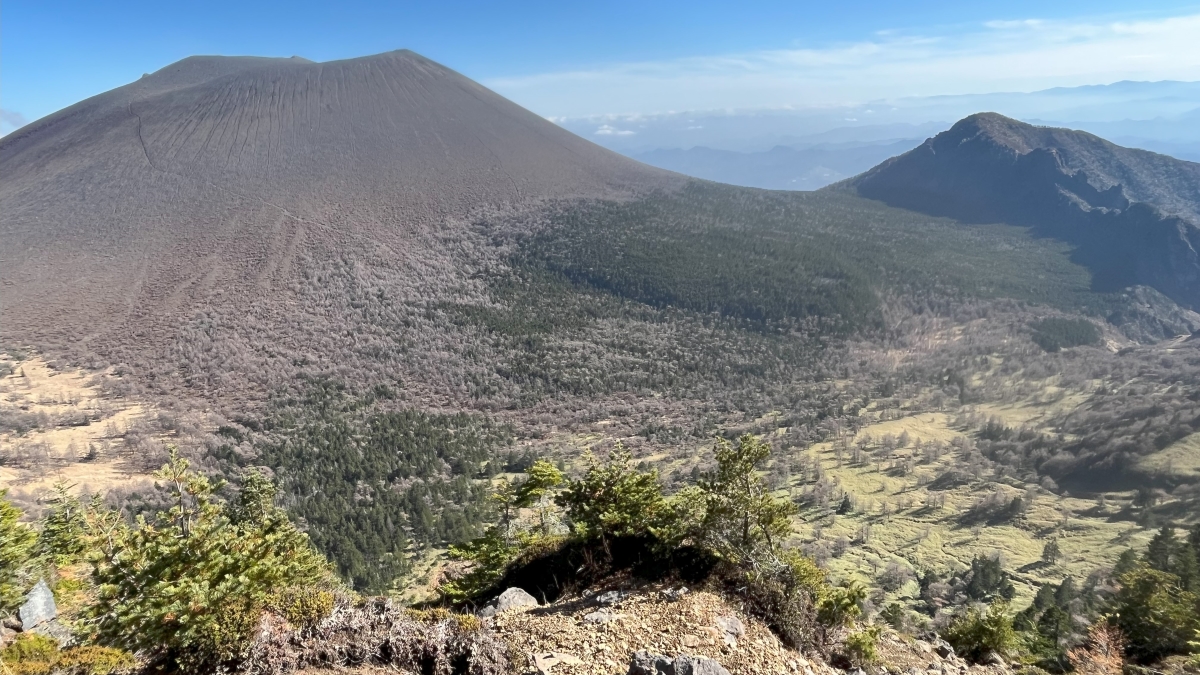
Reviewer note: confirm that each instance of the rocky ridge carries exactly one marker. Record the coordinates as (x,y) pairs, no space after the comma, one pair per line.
(603,633)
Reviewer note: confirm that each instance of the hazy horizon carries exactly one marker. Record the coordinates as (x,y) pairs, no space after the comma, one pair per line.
(627,60)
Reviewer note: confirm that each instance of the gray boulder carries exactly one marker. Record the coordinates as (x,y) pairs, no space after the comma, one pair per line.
(993,659)
(698,665)
(39,607)
(731,629)
(58,631)
(645,663)
(611,597)
(943,648)
(513,598)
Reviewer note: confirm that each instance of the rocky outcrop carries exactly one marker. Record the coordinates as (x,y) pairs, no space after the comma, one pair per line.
(645,663)
(658,630)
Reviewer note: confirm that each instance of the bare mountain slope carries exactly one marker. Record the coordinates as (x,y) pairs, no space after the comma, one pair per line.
(205,182)
(1132,215)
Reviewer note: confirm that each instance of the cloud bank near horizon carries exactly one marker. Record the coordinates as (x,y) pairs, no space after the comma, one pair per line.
(1023,55)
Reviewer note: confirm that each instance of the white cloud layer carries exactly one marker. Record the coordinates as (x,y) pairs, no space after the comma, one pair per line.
(995,56)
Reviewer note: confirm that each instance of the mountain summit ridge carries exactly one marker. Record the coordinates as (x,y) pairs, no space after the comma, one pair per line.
(1132,215)
(218,173)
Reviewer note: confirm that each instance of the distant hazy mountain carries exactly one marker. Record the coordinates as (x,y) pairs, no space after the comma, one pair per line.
(1131,214)
(1139,113)
(781,167)
(1178,135)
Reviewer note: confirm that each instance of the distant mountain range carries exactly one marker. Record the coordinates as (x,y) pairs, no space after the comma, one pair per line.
(780,168)
(1163,112)
(741,147)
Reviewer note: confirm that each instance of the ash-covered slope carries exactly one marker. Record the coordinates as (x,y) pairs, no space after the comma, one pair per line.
(1131,214)
(211,177)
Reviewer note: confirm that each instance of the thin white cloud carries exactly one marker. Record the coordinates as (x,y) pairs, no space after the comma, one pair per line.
(609,130)
(1022,55)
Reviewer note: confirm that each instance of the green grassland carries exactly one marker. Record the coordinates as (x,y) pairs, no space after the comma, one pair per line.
(921,536)
(1181,458)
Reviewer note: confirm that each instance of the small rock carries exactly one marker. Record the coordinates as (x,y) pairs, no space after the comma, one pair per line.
(731,629)
(7,635)
(943,649)
(674,594)
(611,597)
(731,625)
(645,663)
(545,661)
(602,616)
(39,607)
(697,665)
(993,659)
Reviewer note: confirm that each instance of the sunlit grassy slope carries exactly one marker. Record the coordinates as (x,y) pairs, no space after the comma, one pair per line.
(913,534)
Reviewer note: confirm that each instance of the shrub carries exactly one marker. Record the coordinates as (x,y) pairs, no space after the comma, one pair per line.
(302,606)
(30,648)
(979,631)
(62,535)
(612,499)
(489,555)
(744,523)
(785,597)
(33,654)
(894,616)
(15,554)
(464,623)
(1195,645)
(1102,653)
(191,584)
(621,513)
(1156,615)
(861,645)
(91,660)
(989,580)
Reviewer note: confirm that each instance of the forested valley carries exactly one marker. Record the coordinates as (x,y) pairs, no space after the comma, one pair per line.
(954,415)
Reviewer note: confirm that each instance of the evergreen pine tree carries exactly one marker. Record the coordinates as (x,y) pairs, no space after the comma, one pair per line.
(1051,552)
(1126,562)
(1163,550)
(16,545)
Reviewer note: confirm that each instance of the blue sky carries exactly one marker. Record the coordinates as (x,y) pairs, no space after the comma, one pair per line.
(564,59)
